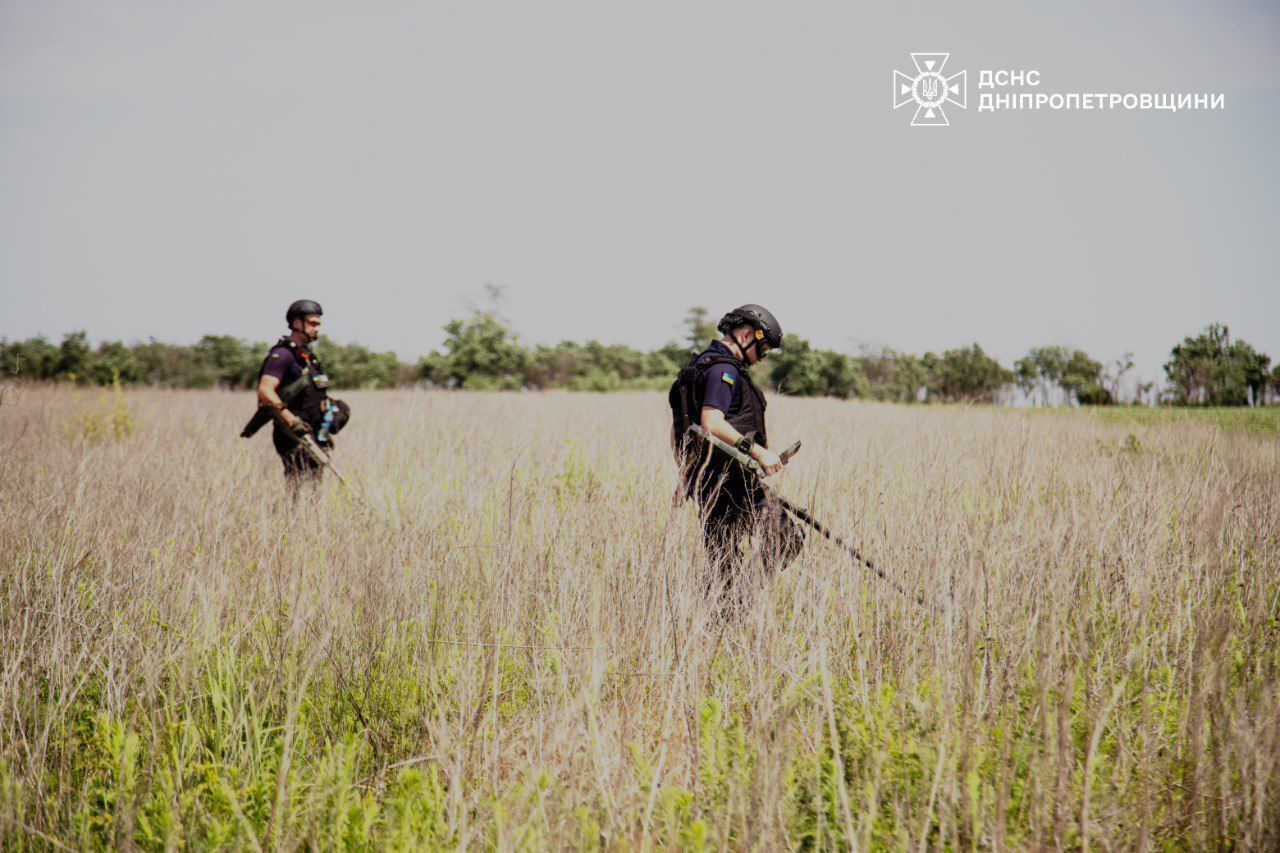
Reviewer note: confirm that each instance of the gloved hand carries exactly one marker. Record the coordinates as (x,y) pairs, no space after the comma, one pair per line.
(299,429)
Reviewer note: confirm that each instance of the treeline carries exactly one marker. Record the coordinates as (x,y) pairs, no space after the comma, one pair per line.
(216,361)
(482,352)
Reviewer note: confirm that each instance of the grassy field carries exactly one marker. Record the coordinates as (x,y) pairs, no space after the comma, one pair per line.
(1264,420)
(504,642)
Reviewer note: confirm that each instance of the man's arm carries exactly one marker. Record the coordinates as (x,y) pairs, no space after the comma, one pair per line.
(713,422)
(268,396)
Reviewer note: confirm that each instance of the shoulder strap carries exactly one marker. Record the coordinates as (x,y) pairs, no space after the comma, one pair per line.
(286,341)
(706,362)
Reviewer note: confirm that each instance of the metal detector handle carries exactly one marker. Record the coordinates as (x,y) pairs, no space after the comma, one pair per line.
(742,459)
(312,448)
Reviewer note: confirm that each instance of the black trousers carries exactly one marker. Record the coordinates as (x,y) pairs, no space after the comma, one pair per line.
(299,468)
(734,506)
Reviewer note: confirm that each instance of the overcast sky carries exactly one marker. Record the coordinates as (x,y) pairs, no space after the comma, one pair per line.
(170,169)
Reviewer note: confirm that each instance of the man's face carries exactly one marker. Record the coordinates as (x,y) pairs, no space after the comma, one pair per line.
(309,325)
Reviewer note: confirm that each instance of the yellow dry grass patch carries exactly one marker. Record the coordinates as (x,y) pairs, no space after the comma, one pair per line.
(505,643)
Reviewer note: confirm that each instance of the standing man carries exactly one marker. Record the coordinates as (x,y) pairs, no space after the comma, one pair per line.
(716,391)
(293,386)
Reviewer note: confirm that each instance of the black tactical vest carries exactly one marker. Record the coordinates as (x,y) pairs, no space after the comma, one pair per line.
(686,409)
(308,402)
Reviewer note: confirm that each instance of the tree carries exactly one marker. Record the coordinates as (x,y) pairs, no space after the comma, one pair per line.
(227,361)
(1250,369)
(113,361)
(890,375)
(1115,375)
(803,371)
(698,326)
(480,352)
(1077,377)
(659,365)
(594,366)
(1210,370)
(356,366)
(797,369)
(554,367)
(841,376)
(33,359)
(170,365)
(1041,369)
(966,374)
(1195,366)
(1082,380)
(73,357)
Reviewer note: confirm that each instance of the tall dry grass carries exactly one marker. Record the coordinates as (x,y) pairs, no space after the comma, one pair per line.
(505,642)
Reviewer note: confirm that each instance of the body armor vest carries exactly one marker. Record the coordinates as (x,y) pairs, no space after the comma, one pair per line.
(686,409)
(307,402)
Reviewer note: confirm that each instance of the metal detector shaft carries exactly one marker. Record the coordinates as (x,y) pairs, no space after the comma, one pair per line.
(798,511)
(803,514)
(316,452)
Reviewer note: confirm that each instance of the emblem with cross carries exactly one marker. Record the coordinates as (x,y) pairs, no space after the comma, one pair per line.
(929,89)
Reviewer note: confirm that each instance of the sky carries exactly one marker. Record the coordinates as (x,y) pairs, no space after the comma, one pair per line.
(174,169)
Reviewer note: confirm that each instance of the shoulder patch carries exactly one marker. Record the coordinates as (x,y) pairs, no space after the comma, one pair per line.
(275,355)
(727,377)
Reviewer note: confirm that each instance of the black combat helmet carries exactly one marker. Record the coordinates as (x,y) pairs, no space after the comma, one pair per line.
(756,316)
(302,308)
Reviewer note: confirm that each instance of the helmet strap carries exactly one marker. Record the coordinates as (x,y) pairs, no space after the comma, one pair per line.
(298,333)
(748,348)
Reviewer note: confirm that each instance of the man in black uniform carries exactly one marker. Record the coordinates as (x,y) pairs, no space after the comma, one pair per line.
(293,369)
(716,390)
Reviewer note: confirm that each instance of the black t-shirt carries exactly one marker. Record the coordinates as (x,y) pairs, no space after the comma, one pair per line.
(285,364)
(718,386)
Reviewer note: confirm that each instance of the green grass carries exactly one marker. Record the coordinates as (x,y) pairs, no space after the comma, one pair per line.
(1264,420)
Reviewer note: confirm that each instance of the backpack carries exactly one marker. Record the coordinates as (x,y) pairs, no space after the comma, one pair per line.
(685,409)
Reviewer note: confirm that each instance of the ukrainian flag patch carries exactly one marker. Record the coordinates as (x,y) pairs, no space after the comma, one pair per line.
(727,377)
